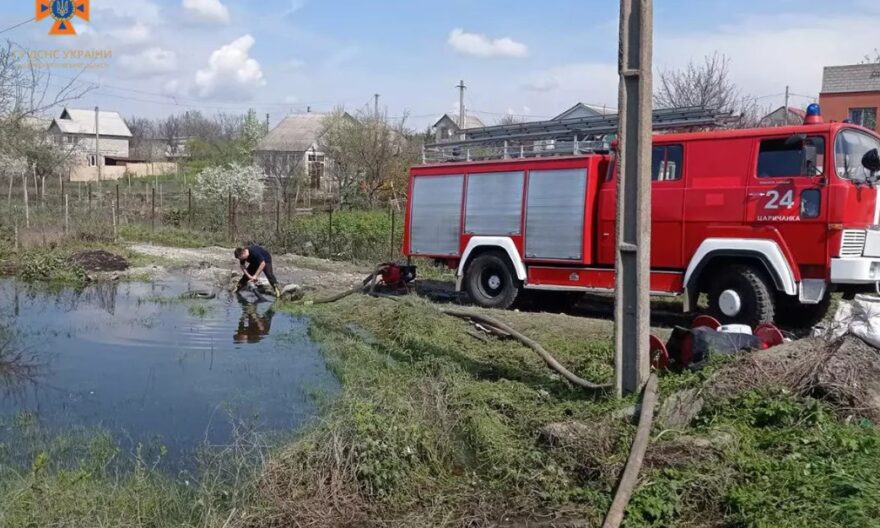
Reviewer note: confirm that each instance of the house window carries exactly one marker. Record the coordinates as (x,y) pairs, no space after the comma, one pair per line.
(93,160)
(316,169)
(866,117)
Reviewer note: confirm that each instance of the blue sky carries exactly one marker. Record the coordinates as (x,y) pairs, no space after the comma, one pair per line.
(526,58)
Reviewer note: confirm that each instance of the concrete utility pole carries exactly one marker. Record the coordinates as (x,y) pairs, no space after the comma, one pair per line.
(376,105)
(98,142)
(787,96)
(461,113)
(632,303)
(267,122)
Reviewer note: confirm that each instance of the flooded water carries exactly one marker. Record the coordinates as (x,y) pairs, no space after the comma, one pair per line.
(134,359)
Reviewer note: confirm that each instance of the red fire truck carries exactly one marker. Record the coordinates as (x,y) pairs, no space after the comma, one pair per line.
(766,222)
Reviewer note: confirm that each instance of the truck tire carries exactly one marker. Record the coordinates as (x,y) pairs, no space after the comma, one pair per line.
(741,294)
(794,314)
(490,281)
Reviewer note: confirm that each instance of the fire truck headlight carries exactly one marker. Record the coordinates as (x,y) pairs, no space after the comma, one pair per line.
(874,273)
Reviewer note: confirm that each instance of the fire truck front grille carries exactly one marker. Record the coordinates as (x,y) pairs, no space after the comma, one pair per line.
(853,243)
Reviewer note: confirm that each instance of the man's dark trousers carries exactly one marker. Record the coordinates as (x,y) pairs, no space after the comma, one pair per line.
(252,269)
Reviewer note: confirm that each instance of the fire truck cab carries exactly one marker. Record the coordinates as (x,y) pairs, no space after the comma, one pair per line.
(765,222)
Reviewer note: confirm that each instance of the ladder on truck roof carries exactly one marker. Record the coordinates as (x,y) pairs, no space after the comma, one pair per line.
(562,137)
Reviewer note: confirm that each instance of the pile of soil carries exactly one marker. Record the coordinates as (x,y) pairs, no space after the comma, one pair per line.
(99,260)
(845,372)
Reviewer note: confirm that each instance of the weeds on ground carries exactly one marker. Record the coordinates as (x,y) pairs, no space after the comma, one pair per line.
(51,266)
(437,427)
(84,478)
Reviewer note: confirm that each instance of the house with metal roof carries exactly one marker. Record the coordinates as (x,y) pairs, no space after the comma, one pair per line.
(294,145)
(80,130)
(851,92)
(447,127)
(784,116)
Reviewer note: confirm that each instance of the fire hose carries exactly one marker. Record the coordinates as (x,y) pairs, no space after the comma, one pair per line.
(629,477)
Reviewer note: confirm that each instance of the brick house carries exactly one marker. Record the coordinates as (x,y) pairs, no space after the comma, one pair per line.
(851,92)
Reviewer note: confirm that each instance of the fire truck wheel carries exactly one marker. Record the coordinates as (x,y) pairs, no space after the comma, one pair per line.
(490,282)
(740,294)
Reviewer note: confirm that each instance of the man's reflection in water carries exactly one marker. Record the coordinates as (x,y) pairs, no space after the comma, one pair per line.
(253,325)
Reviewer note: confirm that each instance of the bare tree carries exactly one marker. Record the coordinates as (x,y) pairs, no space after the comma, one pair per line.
(510,119)
(27,93)
(145,141)
(707,85)
(284,170)
(371,154)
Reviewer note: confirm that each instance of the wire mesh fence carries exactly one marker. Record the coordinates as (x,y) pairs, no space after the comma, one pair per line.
(37,212)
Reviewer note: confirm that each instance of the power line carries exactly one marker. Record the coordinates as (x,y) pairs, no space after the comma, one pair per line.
(10,28)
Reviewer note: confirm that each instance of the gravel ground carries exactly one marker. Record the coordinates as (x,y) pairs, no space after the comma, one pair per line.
(215,267)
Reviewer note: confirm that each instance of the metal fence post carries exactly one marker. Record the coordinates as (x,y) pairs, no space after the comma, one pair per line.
(189,207)
(117,202)
(153,209)
(330,241)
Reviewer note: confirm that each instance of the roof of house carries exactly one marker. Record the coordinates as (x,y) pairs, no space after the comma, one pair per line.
(578,110)
(851,78)
(799,112)
(295,133)
(470,121)
(76,121)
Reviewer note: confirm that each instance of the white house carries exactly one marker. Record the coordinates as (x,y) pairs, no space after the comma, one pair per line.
(294,145)
(76,129)
(447,128)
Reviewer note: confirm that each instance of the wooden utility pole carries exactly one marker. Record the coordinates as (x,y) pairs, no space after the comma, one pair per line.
(98,142)
(461,113)
(633,260)
(785,108)
(27,211)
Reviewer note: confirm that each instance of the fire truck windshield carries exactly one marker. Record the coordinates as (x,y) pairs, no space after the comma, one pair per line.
(849,147)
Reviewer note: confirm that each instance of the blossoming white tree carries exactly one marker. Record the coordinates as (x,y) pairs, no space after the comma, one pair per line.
(243,182)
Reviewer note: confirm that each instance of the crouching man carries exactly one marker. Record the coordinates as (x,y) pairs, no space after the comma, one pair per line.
(255,260)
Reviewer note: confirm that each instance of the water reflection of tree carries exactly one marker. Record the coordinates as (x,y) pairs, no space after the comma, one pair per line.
(102,295)
(17,367)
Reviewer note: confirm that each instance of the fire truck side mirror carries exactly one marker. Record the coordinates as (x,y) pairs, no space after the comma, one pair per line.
(871,161)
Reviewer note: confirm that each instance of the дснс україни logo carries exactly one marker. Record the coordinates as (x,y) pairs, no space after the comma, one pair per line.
(63,12)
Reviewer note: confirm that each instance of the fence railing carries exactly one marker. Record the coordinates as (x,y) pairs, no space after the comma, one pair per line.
(42,214)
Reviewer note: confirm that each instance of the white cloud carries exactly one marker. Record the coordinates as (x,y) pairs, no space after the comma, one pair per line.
(295,64)
(295,6)
(138,10)
(771,51)
(139,33)
(231,72)
(172,88)
(150,62)
(586,82)
(542,84)
(207,10)
(291,99)
(477,45)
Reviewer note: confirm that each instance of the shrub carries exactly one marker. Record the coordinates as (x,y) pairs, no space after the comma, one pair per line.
(242,182)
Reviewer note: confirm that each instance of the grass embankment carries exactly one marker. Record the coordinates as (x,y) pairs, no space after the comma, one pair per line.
(438,427)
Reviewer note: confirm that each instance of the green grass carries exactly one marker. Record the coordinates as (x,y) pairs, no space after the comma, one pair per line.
(170,236)
(435,427)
